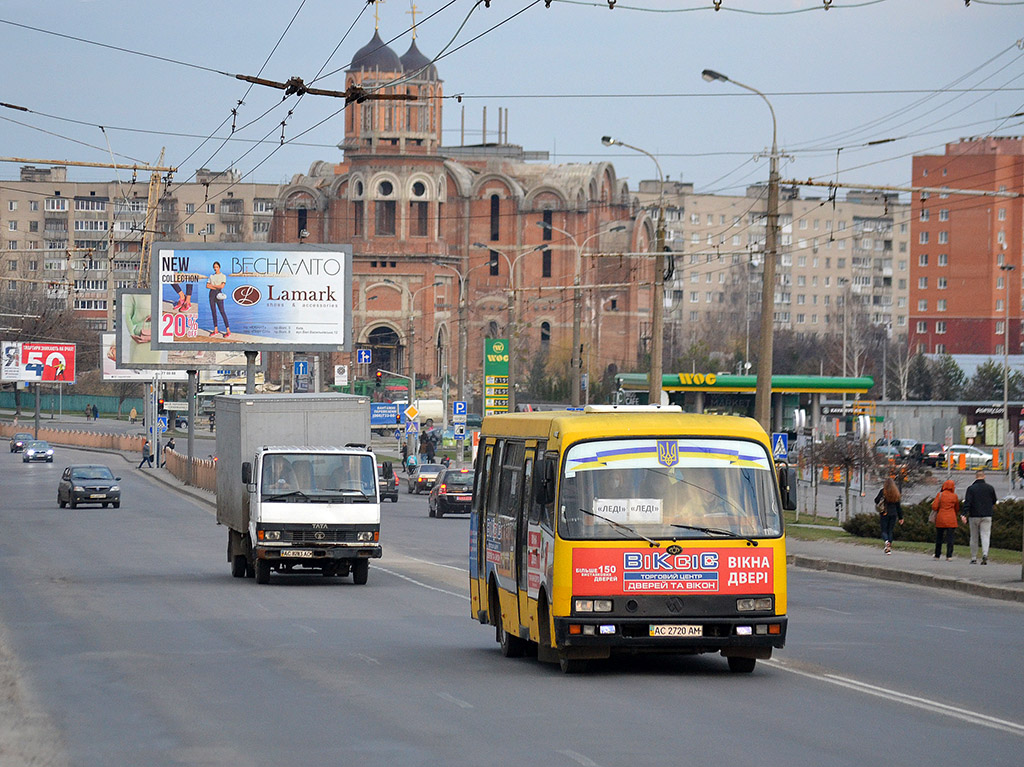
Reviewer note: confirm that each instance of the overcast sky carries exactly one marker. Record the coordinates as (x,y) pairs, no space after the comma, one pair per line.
(922,71)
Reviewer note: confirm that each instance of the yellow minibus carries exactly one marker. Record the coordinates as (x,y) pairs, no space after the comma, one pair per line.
(629,529)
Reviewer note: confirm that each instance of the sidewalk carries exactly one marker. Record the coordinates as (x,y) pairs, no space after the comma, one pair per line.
(992,581)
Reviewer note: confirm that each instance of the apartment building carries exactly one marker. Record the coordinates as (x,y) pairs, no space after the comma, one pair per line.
(965,293)
(78,242)
(842,263)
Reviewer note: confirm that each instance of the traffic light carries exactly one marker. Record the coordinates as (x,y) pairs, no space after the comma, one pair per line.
(160,409)
(380,379)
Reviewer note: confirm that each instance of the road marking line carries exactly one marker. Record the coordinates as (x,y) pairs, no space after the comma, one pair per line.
(420,583)
(972,717)
(578,758)
(367,658)
(435,564)
(452,699)
(948,628)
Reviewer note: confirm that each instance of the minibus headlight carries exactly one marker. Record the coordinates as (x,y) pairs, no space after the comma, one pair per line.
(584,605)
(602,605)
(747,605)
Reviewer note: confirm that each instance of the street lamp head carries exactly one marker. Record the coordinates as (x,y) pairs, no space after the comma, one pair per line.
(619,228)
(607,140)
(544,225)
(479,245)
(711,76)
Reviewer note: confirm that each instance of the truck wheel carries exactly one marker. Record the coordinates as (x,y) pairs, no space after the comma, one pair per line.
(238,566)
(360,571)
(262,571)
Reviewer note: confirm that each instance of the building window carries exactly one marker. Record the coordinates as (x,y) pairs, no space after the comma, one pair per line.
(940,283)
(922,260)
(190,208)
(1000,327)
(495,218)
(545,334)
(922,305)
(943,259)
(1002,214)
(943,238)
(940,327)
(190,228)
(547,225)
(940,305)
(418,218)
(922,327)
(385,218)
(924,214)
(211,208)
(261,227)
(922,238)
(922,283)
(545,263)
(944,214)
(55,204)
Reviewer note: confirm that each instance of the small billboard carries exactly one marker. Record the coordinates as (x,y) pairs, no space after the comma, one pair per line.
(251,296)
(37,362)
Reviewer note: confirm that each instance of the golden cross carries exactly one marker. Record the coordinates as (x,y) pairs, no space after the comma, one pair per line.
(412,12)
(376,14)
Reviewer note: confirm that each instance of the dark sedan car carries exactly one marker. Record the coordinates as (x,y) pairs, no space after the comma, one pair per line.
(452,493)
(18,441)
(88,484)
(37,450)
(388,481)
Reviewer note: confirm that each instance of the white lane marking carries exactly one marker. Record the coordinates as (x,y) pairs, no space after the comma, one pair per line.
(972,717)
(453,699)
(420,583)
(830,610)
(435,564)
(367,658)
(307,629)
(578,758)
(948,628)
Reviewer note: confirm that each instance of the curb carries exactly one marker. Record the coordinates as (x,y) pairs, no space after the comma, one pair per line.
(901,576)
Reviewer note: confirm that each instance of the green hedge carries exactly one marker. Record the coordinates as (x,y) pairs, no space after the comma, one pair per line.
(1006,525)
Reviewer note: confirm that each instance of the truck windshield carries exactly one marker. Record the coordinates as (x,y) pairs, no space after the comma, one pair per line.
(667,489)
(319,477)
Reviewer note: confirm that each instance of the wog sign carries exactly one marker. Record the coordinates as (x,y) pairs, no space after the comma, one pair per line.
(34,362)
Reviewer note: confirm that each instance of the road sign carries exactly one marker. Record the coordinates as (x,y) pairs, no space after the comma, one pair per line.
(411,412)
(341,375)
(780,446)
(398,434)
(460,431)
(364,356)
(161,424)
(301,368)
(181,406)
(462,419)
(459,407)
(412,428)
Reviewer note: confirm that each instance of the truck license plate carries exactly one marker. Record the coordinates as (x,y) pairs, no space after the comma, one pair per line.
(661,630)
(297,553)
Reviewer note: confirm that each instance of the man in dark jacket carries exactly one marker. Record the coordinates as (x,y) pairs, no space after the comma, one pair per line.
(978,504)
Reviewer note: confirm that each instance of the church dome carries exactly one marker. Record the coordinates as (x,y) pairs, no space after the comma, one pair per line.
(375,55)
(414,61)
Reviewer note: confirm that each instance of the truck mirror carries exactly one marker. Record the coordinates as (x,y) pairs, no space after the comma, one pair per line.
(246,473)
(788,492)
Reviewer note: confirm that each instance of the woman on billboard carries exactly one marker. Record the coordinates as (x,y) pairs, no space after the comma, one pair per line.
(215,283)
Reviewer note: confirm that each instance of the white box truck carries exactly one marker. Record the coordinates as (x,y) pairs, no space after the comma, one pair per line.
(297,484)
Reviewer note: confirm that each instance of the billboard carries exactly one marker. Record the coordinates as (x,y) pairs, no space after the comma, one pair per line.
(111,371)
(495,375)
(134,349)
(251,296)
(35,362)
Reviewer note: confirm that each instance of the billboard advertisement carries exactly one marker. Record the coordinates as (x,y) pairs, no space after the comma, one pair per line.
(495,375)
(111,371)
(134,349)
(35,362)
(251,296)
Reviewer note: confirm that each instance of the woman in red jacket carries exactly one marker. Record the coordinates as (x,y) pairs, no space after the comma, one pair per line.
(947,508)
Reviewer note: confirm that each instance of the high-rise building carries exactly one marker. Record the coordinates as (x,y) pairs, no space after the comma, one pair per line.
(966,249)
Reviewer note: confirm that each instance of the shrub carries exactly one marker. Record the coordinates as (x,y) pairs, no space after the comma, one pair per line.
(1006,525)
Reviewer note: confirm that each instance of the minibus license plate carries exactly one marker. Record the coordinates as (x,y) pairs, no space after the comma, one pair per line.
(662,630)
(297,553)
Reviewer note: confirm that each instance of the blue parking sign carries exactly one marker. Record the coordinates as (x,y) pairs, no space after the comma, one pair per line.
(459,407)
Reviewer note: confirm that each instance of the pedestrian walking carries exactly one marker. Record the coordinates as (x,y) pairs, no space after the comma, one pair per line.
(133,416)
(168,446)
(890,511)
(147,455)
(1020,473)
(88,412)
(95,413)
(979,502)
(945,510)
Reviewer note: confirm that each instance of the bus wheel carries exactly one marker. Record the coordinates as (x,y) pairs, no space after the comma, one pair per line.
(741,665)
(511,646)
(574,665)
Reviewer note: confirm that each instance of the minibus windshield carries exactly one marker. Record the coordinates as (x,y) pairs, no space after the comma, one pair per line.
(667,489)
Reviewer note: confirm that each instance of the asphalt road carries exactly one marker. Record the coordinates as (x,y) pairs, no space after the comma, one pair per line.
(130,643)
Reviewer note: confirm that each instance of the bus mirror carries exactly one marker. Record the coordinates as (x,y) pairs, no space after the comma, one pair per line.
(544,489)
(246,473)
(788,492)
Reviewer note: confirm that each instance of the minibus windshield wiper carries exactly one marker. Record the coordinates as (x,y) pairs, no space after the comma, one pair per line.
(717,531)
(621,527)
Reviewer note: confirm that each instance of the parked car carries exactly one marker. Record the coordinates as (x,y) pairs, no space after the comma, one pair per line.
(888,451)
(37,450)
(388,481)
(927,453)
(452,493)
(181,422)
(976,458)
(18,441)
(423,476)
(88,484)
(904,446)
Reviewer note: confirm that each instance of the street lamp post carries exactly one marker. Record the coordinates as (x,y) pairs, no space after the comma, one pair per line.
(576,363)
(654,378)
(763,396)
(1007,270)
(512,315)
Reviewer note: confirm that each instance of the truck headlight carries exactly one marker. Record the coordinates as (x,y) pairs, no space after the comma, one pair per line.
(271,535)
(366,536)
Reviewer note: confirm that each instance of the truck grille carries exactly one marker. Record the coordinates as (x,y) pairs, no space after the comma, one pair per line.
(324,536)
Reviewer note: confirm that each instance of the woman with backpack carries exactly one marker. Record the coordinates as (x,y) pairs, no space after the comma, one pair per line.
(888,504)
